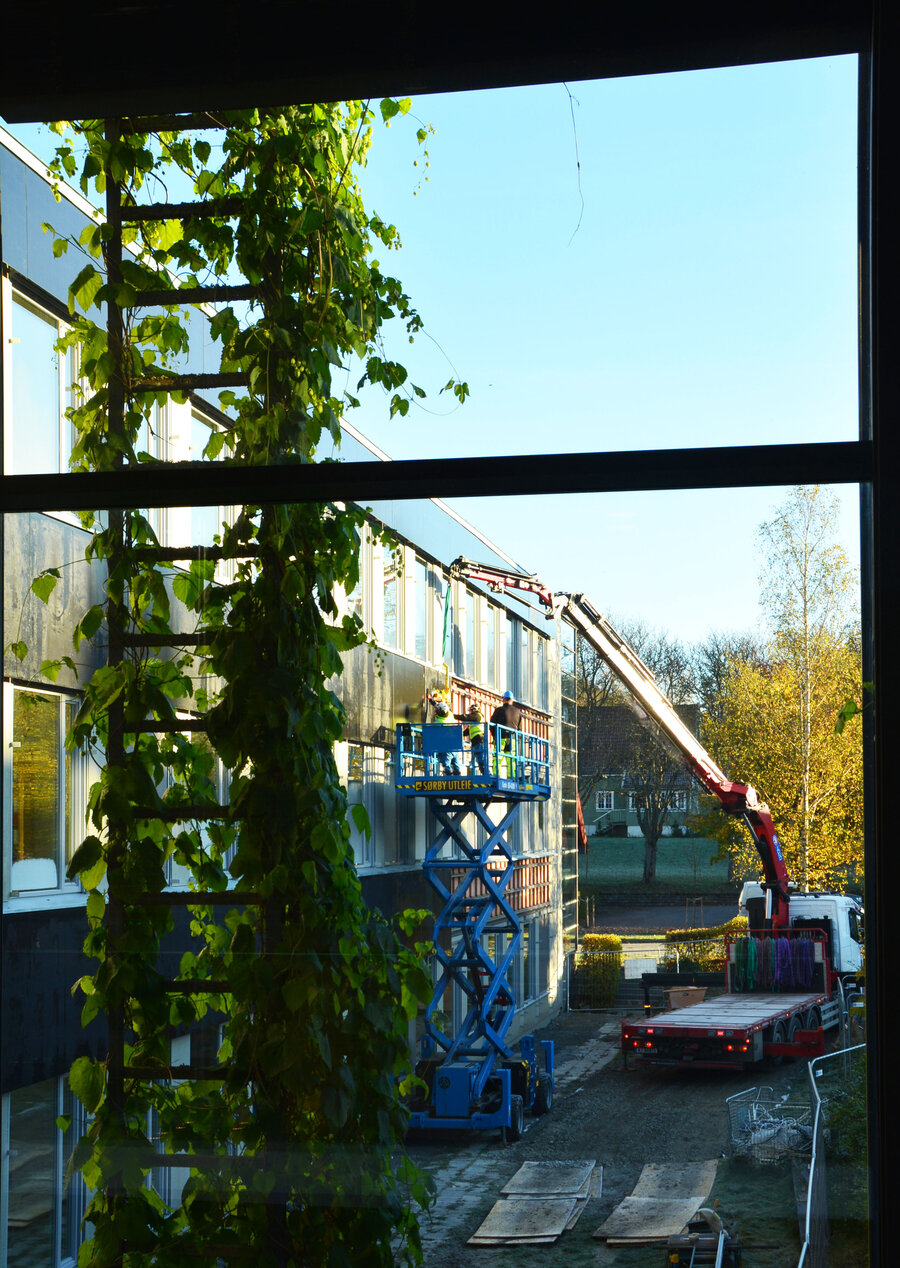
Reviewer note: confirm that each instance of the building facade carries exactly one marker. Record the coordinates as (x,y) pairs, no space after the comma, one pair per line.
(428,630)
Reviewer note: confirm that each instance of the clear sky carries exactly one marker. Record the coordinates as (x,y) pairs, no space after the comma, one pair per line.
(666,260)
(661,261)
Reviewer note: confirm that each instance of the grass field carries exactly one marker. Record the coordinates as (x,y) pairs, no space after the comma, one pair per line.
(683,865)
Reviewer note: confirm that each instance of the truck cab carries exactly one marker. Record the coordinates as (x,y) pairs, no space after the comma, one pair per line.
(839,915)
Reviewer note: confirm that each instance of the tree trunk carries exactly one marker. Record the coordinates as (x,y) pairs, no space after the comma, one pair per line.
(650,844)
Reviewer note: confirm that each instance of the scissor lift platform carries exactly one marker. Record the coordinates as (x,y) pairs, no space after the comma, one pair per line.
(433,761)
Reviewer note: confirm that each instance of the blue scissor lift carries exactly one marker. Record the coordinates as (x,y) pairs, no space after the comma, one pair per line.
(473,1079)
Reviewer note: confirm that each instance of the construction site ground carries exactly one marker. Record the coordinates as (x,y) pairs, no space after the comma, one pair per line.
(621,1119)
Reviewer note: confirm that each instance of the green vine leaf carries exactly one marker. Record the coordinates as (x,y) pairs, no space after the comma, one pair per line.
(45,583)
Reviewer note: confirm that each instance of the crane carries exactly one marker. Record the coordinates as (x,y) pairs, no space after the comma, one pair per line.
(656,711)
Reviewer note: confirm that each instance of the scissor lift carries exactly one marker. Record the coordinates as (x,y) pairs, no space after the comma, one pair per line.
(473,1080)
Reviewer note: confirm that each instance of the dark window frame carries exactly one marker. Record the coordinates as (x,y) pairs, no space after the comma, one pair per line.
(574,46)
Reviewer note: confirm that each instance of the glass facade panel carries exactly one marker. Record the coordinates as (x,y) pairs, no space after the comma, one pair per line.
(33,441)
(36,790)
(422,602)
(491,645)
(32,1189)
(206,521)
(391,603)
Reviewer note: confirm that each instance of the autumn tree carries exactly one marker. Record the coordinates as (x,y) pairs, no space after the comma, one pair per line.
(772,719)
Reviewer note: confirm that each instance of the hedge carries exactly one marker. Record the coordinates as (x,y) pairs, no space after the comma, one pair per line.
(596,971)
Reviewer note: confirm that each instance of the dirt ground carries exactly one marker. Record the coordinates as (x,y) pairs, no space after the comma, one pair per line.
(621,1119)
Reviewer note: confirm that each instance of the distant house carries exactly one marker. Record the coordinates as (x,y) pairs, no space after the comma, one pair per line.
(620,765)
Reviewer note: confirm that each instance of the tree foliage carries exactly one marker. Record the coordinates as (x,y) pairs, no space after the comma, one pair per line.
(299,1128)
(772,717)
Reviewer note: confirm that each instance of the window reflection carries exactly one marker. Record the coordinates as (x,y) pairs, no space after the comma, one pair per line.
(33,441)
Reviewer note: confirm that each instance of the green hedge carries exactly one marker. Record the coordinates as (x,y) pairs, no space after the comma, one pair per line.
(702,950)
(596,971)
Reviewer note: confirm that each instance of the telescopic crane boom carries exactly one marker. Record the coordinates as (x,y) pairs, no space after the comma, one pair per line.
(657,712)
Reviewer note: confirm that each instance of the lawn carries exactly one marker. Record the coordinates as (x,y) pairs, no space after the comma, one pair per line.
(683,865)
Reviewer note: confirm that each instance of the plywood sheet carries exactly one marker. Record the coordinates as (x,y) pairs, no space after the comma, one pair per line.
(545,1178)
(663,1201)
(663,1180)
(525,1218)
(648,1219)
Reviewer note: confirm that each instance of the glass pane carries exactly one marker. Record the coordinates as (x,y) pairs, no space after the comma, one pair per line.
(206,521)
(33,440)
(35,791)
(699,231)
(391,609)
(33,1140)
(422,599)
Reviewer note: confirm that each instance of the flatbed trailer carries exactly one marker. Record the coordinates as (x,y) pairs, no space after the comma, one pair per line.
(787,1018)
(730,1030)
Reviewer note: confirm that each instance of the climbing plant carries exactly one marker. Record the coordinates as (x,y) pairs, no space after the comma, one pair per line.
(220,666)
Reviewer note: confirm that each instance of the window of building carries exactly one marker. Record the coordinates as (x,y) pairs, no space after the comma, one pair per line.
(422,583)
(205,521)
(46,789)
(464,634)
(43,1216)
(542,687)
(681,800)
(636,801)
(179,433)
(370,784)
(489,643)
(391,602)
(510,654)
(527,963)
(38,436)
(524,688)
(606,800)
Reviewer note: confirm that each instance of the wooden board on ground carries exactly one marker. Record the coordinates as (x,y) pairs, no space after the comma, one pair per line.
(660,1180)
(664,1200)
(541,1202)
(519,1220)
(535,1179)
(636,1221)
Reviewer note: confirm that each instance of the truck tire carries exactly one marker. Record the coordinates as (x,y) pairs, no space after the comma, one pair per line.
(543,1096)
(813,1019)
(778,1034)
(795,1024)
(516,1120)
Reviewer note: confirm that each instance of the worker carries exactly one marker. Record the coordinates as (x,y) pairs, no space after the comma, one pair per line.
(507,716)
(448,762)
(474,720)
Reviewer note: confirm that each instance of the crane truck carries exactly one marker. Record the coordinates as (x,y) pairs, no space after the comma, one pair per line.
(787,975)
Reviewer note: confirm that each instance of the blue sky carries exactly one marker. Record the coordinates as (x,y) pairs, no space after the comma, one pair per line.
(641,263)
(688,279)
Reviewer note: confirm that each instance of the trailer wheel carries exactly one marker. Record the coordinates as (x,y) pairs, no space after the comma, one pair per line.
(778,1035)
(516,1120)
(543,1096)
(813,1019)
(795,1024)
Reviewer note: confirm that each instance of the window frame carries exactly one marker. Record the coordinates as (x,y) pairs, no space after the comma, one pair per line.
(699,42)
(76,1194)
(74,782)
(12,297)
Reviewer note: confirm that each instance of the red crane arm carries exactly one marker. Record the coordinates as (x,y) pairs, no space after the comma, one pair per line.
(657,712)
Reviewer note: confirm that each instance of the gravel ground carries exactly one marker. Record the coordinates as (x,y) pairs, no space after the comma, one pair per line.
(620,1118)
